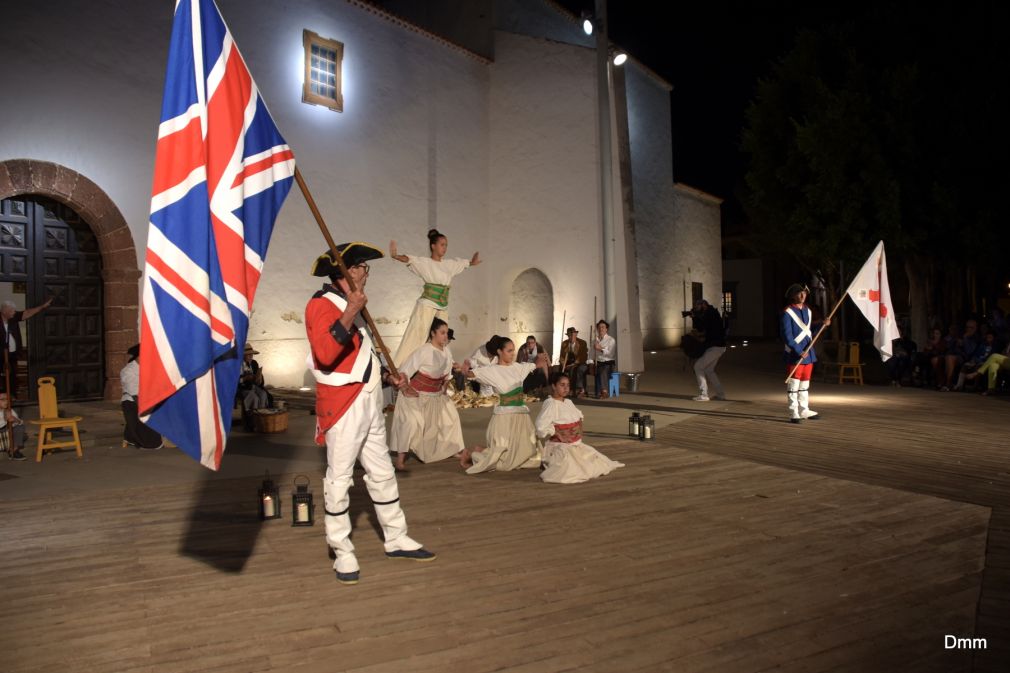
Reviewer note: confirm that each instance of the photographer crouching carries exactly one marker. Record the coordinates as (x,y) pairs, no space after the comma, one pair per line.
(707,343)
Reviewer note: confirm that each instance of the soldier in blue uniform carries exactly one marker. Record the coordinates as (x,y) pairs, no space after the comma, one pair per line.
(797,331)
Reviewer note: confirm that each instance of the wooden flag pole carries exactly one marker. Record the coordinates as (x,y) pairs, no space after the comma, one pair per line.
(343,269)
(816,336)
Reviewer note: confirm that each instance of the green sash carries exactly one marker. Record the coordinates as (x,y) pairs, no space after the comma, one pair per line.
(436,293)
(513,398)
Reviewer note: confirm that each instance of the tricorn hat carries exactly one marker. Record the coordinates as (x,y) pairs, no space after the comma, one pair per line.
(353,254)
(451,335)
(133,351)
(571,330)
(796,288)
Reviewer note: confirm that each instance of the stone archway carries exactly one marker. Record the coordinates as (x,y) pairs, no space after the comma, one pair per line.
(120,273)
(531,308)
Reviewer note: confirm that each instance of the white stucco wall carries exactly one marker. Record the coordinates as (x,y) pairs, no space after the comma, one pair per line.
(544,197)
(678,231)
(502,157)
(409,151)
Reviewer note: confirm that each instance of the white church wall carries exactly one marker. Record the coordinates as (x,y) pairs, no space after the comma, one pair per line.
(677,229)
(409,151)
(544,198)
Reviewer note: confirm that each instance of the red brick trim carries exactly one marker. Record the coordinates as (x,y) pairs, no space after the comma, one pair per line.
(120,272)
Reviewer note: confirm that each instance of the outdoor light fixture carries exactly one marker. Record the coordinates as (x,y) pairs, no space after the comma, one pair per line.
(270,500)
(634,422)
(619,58)
(587,23)
(301,503)
(647,429)
(304,389)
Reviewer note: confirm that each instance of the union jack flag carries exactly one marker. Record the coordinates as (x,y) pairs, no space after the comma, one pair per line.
(222,171)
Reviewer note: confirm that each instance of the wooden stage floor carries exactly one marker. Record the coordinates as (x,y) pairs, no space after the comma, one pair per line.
(735,543)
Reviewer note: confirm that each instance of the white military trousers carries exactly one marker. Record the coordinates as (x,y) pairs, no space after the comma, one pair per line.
(361,435)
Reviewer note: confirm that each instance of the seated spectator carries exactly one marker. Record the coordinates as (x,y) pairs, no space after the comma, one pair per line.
(606,355)
(251,391)
(954,356)
(991,368)
(574,355)
(136,433)
(536,382)
(12,440)
(900,363)
(484,356)
(929,361)
(974,359)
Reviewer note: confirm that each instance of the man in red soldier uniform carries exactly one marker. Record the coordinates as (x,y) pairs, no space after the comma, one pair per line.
(349,418)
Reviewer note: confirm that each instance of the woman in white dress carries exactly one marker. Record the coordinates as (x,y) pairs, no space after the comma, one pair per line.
(566,459)
(428,423)
(437,273)
(511,439)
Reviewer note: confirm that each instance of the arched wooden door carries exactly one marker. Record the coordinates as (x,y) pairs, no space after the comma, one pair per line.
(46,250)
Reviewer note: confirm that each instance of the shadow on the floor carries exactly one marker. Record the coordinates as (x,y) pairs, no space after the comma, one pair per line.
(223,523)
(224,518)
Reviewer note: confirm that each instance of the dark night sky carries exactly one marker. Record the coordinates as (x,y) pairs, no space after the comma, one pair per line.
(713,54)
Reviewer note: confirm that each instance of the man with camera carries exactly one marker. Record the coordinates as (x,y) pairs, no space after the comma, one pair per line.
(710,342)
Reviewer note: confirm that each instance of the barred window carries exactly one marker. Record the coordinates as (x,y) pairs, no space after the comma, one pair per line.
(323,59)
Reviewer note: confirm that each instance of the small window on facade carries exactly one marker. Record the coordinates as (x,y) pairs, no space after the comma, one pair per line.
(322,71)
(727,303)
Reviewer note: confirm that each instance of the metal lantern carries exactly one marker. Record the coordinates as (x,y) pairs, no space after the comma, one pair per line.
(634,423)
(646,429)
(270,500)
(301,503)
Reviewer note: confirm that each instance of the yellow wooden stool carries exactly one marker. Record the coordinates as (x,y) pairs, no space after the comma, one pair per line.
(50,420)
(853,369)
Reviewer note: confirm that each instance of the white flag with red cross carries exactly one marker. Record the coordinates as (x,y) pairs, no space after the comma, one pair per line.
(870,293)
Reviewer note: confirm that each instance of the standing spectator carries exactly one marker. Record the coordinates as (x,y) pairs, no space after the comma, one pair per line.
(606,354)
(136,433)
(12,439)
(709,323)
(12,318)
(574,354)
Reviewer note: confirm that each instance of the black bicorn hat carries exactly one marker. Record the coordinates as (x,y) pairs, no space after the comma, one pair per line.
(353,253)
(795,288)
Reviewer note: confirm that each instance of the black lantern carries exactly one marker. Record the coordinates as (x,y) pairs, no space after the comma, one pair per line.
(270,500)
(646,429)
(634,423)
(301,503)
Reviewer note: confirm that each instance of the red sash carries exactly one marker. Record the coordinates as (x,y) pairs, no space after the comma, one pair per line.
(567,433)
(426,384)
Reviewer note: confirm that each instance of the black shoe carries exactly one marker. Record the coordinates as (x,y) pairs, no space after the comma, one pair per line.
(17,455)
(348,578)
(413,554)
(796,420)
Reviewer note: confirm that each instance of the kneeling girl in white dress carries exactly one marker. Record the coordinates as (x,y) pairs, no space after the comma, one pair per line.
(437,273)
(427,423)
(511,439)
(566,459)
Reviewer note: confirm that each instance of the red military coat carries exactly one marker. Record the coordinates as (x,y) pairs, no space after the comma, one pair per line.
(330,355)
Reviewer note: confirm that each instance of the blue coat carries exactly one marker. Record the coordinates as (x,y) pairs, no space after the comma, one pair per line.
(796,337)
